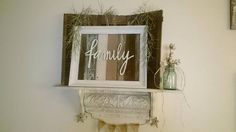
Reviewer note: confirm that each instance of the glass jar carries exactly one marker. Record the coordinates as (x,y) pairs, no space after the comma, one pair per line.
(170,78)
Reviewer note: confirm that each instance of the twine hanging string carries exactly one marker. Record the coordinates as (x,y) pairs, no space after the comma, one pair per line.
(181,79)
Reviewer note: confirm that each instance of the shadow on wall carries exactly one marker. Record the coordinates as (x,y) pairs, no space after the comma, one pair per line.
(71,98)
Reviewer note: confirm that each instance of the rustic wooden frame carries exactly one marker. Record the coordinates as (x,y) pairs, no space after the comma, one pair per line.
(233,14)
(154,28)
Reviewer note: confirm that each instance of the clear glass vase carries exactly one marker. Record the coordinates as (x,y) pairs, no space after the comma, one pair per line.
(170,78)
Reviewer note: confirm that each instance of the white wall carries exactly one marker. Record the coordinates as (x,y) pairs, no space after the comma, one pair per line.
(30,64)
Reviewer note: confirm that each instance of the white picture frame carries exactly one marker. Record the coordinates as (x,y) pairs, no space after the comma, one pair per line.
(76,51)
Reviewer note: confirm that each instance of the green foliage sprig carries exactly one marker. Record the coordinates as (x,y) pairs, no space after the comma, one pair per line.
(143,18)
(84,18)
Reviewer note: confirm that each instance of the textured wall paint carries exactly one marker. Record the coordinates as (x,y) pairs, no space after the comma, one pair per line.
(30,63)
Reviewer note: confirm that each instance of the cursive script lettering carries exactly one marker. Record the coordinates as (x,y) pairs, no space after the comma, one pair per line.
(109,55)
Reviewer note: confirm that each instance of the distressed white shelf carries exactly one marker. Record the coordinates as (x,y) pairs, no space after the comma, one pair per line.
(148,90)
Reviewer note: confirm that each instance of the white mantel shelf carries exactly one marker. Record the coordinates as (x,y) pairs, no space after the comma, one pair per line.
(148,90)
